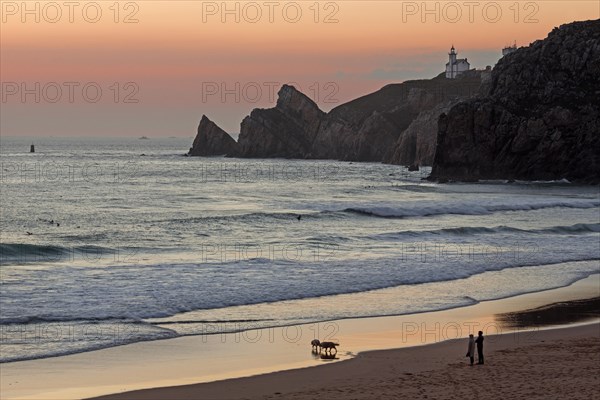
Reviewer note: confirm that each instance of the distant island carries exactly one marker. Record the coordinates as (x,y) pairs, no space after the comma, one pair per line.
(533,117)
(144,138)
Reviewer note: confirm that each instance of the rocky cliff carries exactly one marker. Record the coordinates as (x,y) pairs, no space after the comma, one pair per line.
(376,127)
(368,128)
(287,130)
(365,129)
(416,144)
(540,119)
(211,140)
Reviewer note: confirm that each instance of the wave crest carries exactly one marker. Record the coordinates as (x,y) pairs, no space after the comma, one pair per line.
(417,210)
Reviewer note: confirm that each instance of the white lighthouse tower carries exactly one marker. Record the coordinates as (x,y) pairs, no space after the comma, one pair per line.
(454,66)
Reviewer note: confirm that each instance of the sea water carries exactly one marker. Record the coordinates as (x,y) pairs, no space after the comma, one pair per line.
(117,240)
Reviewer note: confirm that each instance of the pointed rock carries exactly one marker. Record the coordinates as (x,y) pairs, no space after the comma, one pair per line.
(287,130)
(212,140)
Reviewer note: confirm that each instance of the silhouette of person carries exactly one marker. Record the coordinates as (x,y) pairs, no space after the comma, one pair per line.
(471,348)
(479,342)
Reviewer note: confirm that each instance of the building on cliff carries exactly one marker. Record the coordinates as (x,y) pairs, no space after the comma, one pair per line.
(509,49)
(454,66)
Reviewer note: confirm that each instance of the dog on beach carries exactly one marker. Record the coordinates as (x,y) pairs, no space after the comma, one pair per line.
(327,347)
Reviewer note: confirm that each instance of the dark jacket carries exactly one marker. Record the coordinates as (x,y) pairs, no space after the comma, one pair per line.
(479,342)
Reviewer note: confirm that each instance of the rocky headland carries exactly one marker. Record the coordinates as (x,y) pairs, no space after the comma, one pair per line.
(535,116)
(365,129)
(540,117)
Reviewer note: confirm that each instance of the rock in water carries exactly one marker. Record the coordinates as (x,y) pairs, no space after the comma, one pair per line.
(212,140)
(287,130)
(540,119)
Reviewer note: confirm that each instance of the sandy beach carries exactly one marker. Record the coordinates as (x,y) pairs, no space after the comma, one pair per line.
(558,363)
(431,346)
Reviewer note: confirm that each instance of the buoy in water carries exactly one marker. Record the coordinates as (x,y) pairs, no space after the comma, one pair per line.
(32,148)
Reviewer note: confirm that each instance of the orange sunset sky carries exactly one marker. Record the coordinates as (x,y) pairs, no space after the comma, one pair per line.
(160,65)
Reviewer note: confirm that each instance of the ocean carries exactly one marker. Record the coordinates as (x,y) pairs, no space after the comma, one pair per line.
(109,241)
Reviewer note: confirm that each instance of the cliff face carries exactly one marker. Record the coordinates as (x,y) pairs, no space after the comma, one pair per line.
(211,140)
(365,129)
(416,144)
(369,128)
(284,131)
(540,119)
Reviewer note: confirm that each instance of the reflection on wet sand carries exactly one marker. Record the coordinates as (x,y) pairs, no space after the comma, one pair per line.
(552,314)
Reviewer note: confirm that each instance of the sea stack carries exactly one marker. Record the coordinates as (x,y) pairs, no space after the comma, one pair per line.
(212,140)
(287,130)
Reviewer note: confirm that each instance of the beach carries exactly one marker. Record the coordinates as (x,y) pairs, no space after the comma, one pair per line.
(558,363)
(425,343)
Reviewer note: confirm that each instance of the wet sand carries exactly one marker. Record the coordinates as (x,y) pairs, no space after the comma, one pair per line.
(550,364)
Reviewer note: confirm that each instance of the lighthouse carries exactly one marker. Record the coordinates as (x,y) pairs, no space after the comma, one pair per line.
(456,66)
(452,55)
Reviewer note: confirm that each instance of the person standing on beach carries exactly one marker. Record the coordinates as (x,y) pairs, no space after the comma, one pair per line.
(471,348)
(479,342)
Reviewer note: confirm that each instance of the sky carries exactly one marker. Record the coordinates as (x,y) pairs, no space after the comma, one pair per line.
(153,68)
